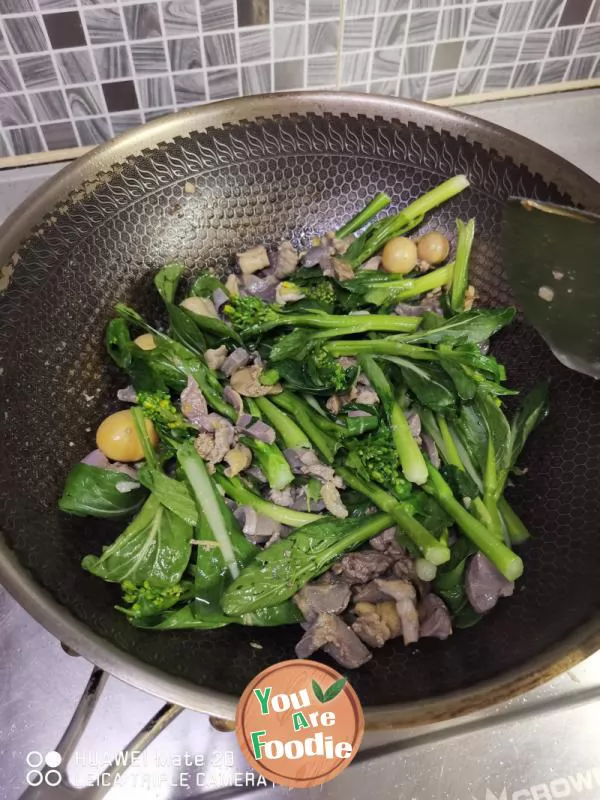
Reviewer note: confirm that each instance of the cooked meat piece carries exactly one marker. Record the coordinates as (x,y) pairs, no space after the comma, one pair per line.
(347,361)
(368,593)
(232,284)
(339,641)
(127,395)
(414,423)
(263,288)
(261,431)
(389,614)
(323,596)
(371,629)
(286,260)
(333,404)
(362,567)
(304,461)
(405,596)
(303,503)
(484,584)
(96,458)
(408,310)
(237,359)
(404,567)
(333,502)
(371,264)
(235,400)
(253,260)
(238,459)
(246,382)
(470,297)
(387,542)
(202,306)
(214,446)
(282,497)
(358,413)
(434,617)
(256,527)
(256,473)
(342,269)
(315,255)
(219,298)
(215,358)
(193,403)
(341,245)
(366,396)
(431,450)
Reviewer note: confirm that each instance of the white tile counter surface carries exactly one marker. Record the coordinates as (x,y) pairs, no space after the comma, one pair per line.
(541,746)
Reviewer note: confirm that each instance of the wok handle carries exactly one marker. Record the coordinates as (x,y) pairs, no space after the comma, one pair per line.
(50,782)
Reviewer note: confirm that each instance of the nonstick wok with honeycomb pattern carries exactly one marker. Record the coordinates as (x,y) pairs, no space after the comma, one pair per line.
(196,187)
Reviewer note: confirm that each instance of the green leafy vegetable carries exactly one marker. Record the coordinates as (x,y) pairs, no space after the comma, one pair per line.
(92,492)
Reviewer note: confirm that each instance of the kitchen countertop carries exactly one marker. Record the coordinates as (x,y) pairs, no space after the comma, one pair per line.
(539,746)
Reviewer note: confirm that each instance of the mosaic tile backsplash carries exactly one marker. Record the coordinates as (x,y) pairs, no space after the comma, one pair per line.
(76,72)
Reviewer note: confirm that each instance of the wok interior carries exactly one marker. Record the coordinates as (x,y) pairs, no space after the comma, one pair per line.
(260,183)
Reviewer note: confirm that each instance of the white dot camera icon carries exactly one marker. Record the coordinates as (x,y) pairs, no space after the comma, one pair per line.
(38,773)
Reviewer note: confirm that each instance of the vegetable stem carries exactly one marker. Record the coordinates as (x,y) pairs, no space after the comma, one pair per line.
(460,276)
(303,415)
(290,434)
(406,289)
(381,347)
(515,527)
(377,204)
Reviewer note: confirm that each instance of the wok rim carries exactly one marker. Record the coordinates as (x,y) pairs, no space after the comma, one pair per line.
(58,620)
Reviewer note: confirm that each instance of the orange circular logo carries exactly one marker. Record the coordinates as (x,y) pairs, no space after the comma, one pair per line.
(299,723)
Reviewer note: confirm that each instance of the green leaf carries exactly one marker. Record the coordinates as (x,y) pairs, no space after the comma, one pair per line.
(92,492)
(318,692)
(332,692)
(498,428)
(181,327)
(533,410)
(205,284)
(216,327)
(155,547)
(472,326)
(173,494)
(466,617)
(465,386)
(167,280)
(429,383)
(118,342)
(460,482)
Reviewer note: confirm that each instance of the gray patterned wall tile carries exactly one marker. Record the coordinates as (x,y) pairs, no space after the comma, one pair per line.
(546,13)
(9,77)
(3,45)
(112,62)
(589,44)
(515,16)
(93,131)
(563,42)
(123,122)
(319,9)
(253,12)
(75,67)
(289,10)
(440,85)
(255,44)
(323,37)
(120,96)
(554,71)
(48,5)
(148,57)
(356,87)
(156,113)
(321,71)
(16,6)
(189,87)
(25,140)
(355,67)
(391,31)
(485,19)
(470,81)
(498,78)
(581,68)
(535,46)
(358,33)
(362,8)
(64,30)
(385,87)
(59,135)
(85,101)
(423,26)
(447,56)
(104,25)
(290,41)
(289,75)
(155,92)
(185,53)
(596,70)
(575,12)
(595,12)
(223,83)
(142,21)
(454,23)
(506,49)
(14,110)
(386,63)
(179,18)
(256,79)
(476,52)
(219,49)
(49,106)
(417,59)
(217,15)
(25,35)
(525,75)
(412,86)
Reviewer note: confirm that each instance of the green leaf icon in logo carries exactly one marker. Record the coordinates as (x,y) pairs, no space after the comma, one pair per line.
(329,694)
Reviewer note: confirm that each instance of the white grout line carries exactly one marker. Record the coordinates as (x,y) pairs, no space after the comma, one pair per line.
(340,44)
(306,45)
(238,56)
(272,45)
(403,53)
(438,24)
(169,71)
(369,78)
